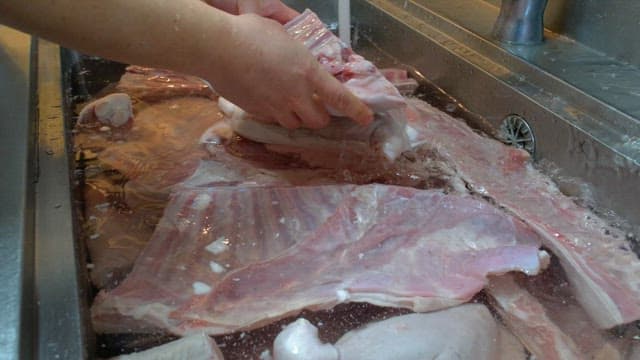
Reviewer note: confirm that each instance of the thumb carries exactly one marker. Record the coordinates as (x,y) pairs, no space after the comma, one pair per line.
(337,96)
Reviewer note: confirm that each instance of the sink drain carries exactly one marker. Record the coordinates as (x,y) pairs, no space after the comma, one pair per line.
(515,131)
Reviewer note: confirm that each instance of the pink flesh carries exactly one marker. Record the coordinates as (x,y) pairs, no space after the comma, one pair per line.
(117,229)
(359,75)
(151,84)
(527,319)
(603,271)
(157,150)
(299,248)
(162,147)
(552,290)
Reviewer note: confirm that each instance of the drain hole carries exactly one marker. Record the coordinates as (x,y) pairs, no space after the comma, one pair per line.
(515,131)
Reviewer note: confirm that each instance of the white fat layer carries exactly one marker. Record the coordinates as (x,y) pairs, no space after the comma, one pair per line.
(216,268)
(343,295)
(299,341)
(200,288)
(218,246)
(201,202)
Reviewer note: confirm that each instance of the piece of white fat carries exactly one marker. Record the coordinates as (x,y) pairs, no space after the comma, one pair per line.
(218,246)
(201,202)
(342,295)
(193,347)
(216,268)
(200,288)
(386,135)
(229,109)
(299,341)
(114,110)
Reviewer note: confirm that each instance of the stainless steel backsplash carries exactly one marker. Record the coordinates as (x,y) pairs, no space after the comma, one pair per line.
(609,26)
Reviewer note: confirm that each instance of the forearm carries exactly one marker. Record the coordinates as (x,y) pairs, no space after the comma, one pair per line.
(160,33)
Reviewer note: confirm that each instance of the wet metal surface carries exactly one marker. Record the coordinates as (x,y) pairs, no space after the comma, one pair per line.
(58,288)
(16,196)
(583,136)
(607,26)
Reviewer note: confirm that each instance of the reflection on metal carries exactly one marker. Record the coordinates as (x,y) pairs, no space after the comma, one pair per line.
(515,131)
(584,137)
(16,197)
(61,310)
(520,22)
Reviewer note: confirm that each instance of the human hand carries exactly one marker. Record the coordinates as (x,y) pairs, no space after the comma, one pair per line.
(273,9)
(276,79)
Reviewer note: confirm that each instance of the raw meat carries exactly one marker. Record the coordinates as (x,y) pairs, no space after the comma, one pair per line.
(463,332)
(193,347)
(149,84)
(228,259)
(117,228)
(342,139)
(359,75)
(526,317)
(545,304)
(163,147)
(256,163)
(385,138)
(121,208)
(112,110)
(406,85)
(598,261)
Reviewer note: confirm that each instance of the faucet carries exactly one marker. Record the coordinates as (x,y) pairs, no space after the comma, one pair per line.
(520,22)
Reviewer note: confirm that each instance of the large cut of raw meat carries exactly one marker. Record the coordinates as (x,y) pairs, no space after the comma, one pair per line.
(128,172)
(462,332)
(150,84)
(163,148)
(112,110)
(599,263)
(527,318)
(542,311)
(358,75)
(117,228)
(226,259)
(385,138)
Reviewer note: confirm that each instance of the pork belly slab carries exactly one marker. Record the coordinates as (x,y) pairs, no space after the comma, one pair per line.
(598,261)
(462,332)
(228,259)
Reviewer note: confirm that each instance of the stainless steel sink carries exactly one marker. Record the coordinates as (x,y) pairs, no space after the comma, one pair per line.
(584,131)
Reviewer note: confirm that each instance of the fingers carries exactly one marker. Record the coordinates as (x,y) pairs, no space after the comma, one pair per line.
(336,96)
(273,9)
(283,14)
(312,113)
(289,120)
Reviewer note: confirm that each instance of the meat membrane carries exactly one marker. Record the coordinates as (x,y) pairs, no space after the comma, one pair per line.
(597,259)
(152,85)
(311,247)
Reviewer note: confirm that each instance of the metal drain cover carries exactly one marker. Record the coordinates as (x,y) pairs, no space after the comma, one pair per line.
(515,131)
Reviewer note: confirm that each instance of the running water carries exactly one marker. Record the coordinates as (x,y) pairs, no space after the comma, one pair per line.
(344,21)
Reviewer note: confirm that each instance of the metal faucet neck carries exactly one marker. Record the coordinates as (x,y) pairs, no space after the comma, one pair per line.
(520,22)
